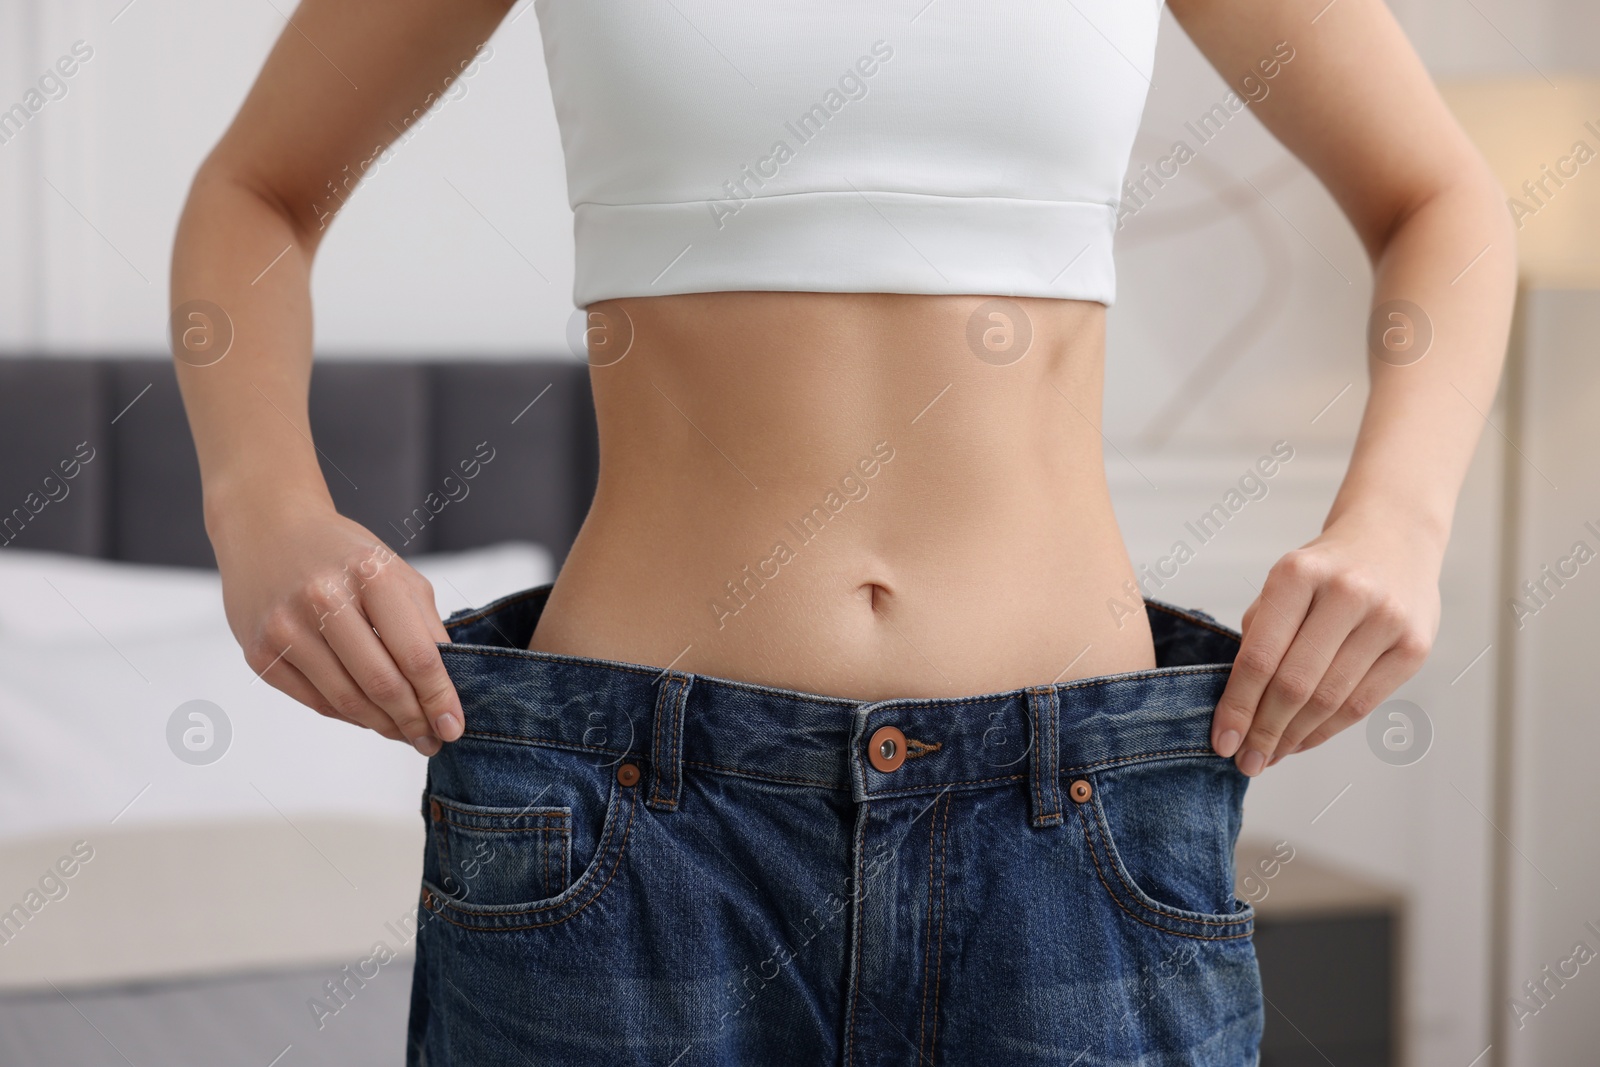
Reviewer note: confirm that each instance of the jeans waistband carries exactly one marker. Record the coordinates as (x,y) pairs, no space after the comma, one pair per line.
(671,720)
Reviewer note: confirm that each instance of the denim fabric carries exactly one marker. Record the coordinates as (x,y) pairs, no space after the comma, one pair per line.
(628,865)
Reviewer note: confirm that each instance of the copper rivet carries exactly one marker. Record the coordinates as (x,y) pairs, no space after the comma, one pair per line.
(1080,791)
(887,748)
(627,774)
(435,810)
(427,899)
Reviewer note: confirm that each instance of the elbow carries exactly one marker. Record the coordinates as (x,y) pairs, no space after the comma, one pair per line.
(1466,199)
(222,186)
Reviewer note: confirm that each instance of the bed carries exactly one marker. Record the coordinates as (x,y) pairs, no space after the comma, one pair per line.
(155,865)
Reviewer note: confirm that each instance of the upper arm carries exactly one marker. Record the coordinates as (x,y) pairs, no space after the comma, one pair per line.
(1354,103)
(344,79)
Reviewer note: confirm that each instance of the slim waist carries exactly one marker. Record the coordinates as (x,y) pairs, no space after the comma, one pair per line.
(632,712)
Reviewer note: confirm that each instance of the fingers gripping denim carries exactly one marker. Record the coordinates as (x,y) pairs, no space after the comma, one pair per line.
(627,865)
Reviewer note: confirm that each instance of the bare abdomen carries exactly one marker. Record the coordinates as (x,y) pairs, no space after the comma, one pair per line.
(860,495)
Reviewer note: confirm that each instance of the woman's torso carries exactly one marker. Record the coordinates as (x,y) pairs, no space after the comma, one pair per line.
(863,495)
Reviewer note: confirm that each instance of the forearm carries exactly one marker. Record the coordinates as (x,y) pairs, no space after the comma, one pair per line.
(1423,419)
(248,410)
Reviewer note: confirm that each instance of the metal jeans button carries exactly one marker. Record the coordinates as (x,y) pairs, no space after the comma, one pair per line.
(887,748)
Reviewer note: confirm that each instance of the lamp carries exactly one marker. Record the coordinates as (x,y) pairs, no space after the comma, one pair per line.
(1543,144)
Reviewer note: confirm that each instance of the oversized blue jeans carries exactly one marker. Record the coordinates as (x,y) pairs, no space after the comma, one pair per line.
(630,865)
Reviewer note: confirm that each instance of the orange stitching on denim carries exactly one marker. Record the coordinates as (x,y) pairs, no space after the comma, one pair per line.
(633,804)
(1176,933)
(938,960)
(1041,744)
(564,875)
(549,811)
(655,739)
(1142,676)
(1087,683)
(1011,695)
(616,866)
(1137,757)
(1049,790)
(1037,776)
(554,742)
(600,851)
(657,757)
(861,836)
(1115,863)
(674,759)
(678,703)
(1114,899)
(563,822)
(927,932)
(936,785)
(915,748)
(762,774)
(526,655)
(529,656)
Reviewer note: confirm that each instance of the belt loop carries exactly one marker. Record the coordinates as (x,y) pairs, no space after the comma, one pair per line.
(666,746)
(1044,704)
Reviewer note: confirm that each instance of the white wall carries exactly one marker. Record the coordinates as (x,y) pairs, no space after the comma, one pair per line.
(1555,824)
(411,266)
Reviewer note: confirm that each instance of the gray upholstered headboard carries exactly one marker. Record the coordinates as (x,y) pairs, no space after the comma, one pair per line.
(389,434)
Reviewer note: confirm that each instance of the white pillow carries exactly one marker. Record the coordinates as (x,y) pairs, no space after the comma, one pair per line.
(95,657)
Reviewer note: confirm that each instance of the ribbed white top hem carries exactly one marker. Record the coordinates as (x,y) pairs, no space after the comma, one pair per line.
(847,242)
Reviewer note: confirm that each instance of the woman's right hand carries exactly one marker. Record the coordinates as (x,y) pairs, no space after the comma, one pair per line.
(323,609)
(329,614)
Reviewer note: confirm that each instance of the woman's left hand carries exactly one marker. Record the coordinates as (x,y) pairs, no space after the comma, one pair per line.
(1339,624)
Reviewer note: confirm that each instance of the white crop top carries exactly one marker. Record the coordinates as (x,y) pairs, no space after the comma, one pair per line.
(898,146)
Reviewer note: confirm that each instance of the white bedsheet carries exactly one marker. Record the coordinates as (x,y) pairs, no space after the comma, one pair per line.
(95,656)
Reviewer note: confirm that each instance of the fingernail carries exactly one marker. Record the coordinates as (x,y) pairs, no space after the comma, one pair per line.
(425,745)
(1252,762)
(446,725)
(1228,743)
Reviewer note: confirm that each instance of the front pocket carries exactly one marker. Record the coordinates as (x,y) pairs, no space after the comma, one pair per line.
(500,855)
(547,878)
(1161,833)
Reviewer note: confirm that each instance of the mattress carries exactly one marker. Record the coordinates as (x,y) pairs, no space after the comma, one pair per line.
(138,842)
